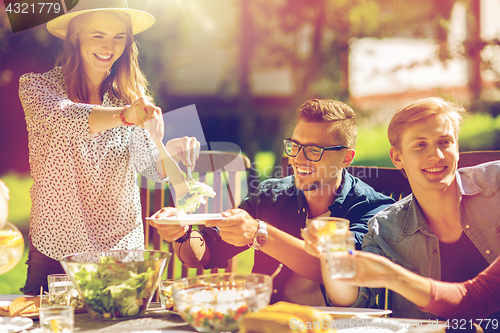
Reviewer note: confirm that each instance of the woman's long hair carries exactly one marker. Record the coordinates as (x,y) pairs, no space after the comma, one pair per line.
(125,81)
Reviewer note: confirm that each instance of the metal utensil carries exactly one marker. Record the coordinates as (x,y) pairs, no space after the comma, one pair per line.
(170,167)
(189,173)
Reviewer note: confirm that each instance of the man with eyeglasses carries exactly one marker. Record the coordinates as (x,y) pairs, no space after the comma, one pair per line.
(270,220)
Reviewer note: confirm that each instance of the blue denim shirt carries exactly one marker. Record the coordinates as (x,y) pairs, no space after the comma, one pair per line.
(279,203)
(401,233)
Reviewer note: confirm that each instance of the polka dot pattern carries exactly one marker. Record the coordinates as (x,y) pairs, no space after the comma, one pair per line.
(85,195)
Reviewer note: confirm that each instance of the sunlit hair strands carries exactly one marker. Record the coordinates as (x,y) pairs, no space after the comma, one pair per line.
(125,81)
(326,110)
(420,110)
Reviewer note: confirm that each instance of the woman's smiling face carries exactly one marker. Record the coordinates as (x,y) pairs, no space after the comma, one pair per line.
(103,43)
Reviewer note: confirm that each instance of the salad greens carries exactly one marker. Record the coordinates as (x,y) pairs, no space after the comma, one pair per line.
(195,197)
(116,290)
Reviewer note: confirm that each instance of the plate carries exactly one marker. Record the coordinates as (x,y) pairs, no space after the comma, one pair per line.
(339,312)
(14,324)
(187,219)
(6,299)
(11,297)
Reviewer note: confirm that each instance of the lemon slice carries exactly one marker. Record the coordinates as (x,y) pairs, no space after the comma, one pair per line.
(327,229)
(10,238)
(55,325)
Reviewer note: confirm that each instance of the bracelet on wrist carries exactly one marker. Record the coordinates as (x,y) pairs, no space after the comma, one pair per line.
(186,235)
(122,116)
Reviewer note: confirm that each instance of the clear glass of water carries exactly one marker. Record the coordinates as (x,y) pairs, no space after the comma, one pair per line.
(335,241)
(59,283)
(57,319)
(45,301)
(166,299)
(11,246)
(60,287)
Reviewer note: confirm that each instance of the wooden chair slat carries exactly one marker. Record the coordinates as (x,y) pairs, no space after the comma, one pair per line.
(226,171)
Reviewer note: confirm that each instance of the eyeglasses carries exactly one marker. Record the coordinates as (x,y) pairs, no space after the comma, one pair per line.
(312,153)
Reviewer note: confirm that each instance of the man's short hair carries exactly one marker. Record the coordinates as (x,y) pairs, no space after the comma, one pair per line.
(420,110)
(327,110)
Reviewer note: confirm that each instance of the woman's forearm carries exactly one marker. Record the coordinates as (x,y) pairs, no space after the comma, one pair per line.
(415,288)
(104,118)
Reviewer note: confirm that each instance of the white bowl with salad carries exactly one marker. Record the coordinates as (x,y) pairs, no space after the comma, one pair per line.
(218,302)
(116,284)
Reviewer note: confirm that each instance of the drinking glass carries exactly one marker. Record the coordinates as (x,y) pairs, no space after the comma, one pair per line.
(59,283)
(335,240)
(62,291)
(11,247)
(57,319)
(45,301)
(166,299)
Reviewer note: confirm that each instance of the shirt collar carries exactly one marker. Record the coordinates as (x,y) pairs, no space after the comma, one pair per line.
(466,186)
(415,219)
(341,193)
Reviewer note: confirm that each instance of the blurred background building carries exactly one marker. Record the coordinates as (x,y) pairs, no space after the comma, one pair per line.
(248,64)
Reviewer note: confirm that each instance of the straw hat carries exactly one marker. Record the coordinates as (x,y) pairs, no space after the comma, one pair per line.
(141,20)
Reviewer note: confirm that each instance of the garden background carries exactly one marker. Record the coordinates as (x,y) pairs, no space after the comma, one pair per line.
(248,64)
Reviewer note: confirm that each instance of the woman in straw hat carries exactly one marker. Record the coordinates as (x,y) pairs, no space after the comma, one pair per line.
(85,120)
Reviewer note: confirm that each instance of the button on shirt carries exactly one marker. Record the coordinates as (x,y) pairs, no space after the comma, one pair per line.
(84,195)
(279,203)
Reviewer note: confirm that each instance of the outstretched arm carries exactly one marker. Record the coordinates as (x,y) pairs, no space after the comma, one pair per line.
(104,118)
(374,271)
(193,252)
(339,293)
(239,228)
(473,299)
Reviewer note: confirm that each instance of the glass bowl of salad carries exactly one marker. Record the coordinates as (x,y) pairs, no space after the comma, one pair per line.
(117,284)
(218,302)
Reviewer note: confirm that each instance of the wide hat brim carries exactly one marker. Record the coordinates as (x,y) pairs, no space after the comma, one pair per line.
(141,20)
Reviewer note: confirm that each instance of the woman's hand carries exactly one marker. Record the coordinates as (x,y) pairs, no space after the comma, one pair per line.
(372,271)
(143,110)
(185,149)
(169,233)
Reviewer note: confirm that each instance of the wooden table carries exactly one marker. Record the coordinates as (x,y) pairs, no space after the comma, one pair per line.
(157,320)
(154,319)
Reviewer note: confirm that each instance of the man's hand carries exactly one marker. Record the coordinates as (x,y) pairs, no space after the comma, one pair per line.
(310,236)
(238,229)
(170,233)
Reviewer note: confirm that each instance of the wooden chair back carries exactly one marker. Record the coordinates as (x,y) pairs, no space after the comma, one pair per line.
(225,172)
(471,158)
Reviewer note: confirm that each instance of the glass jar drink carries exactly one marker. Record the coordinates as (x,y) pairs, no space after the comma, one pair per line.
(57,319)
(166,299)
(11,247)
(335,241)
